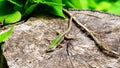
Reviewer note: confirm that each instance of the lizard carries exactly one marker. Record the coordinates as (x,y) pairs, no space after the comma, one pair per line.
(56,42)
(60,37)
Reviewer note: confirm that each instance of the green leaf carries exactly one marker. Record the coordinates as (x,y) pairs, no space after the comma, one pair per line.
(57,9)
(84,4)
(72,3)
(7,13)
(29,9)
(5,7)
(92,4)
(52,4)
(19,3)
(6,34)
(103,6)
(35,1)
(11,18)
(115,9)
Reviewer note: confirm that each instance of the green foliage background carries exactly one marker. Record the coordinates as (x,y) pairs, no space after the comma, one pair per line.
(15,10)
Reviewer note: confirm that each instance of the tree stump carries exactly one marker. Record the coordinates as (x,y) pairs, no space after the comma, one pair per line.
(26,47)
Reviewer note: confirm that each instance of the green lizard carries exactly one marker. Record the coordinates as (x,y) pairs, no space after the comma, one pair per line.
(60,37)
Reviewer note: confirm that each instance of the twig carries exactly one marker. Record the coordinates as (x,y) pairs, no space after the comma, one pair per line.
(98,43)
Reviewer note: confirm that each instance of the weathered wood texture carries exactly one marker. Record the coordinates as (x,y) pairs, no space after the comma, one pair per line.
(27,45)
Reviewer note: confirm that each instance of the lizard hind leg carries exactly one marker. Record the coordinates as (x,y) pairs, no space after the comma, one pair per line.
(70,37)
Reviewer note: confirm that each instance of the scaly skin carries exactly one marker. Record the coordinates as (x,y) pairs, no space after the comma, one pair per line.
(56,42)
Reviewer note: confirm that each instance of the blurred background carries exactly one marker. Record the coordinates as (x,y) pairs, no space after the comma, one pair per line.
(111,6)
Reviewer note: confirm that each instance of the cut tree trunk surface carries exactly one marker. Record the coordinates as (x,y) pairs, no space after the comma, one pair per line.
(26,47)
